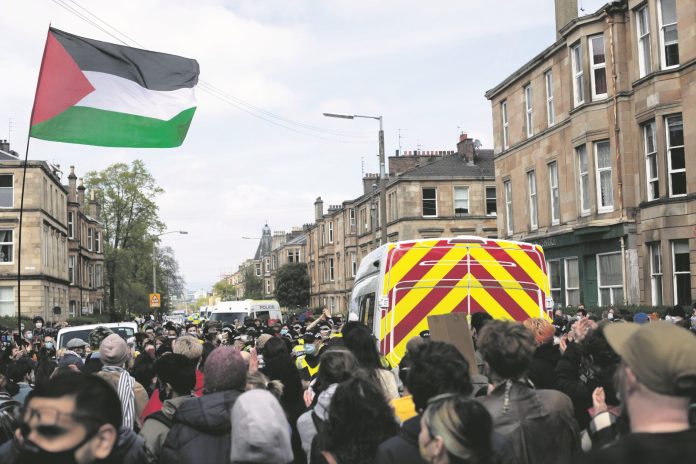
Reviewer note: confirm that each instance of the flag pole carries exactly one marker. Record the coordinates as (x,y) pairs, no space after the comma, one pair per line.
(21,201)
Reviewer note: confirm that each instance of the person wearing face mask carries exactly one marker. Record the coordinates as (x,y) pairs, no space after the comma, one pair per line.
(72,419)
(456,430)
(20,373)
(175,380)
(308,365)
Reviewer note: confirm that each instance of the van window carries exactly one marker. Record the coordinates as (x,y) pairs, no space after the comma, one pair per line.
(263,316)
(228,318)
(367,309)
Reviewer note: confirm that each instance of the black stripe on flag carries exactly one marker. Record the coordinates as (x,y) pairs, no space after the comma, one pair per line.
(152,70)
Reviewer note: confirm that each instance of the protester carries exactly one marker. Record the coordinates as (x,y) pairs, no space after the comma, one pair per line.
(279,366)
(77,346)
(19,374)
(362,344)
(337,366)
(8,409)
(436,368)
(261,433)
(538,424)
(175,380)
(585,366)
(546,354)
(257,381)
(114,354)
(201,429)
(455,429)
(657,380)
(72,418)
(359,420)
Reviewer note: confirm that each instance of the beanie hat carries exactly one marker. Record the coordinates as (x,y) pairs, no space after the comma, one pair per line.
(224,370)
(114,351)
(260,430)
(641,318)
(189,346)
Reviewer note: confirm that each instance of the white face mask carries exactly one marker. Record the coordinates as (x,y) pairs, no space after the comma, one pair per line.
(39,325)
(610,316)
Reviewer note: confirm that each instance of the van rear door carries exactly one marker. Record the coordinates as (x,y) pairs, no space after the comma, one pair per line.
(467,275)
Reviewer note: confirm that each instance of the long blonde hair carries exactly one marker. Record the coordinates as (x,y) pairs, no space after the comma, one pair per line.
(258,381)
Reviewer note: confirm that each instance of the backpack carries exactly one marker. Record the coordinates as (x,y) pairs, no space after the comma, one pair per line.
(159,416)
(7,419)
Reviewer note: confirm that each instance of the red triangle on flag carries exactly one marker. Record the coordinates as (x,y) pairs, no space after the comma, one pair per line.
(61,83)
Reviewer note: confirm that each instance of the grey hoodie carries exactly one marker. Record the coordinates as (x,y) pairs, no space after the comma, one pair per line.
(260,430)
(305,424)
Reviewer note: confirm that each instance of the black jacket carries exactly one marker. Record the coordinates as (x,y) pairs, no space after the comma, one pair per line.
(543,367)
(403,448)
(129,449)
(201,430)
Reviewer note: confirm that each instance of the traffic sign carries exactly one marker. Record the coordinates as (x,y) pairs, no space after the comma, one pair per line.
(155,300)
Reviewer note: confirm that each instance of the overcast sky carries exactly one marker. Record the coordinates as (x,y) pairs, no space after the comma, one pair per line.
(423,65)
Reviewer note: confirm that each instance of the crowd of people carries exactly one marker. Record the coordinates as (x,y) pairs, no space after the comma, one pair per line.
(618,388)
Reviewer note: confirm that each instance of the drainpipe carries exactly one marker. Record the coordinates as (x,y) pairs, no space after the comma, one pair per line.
(617,143)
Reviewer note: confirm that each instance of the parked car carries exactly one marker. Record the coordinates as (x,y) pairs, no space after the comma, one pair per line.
(124,329)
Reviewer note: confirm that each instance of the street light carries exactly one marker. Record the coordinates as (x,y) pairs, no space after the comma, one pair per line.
(154,256)
(382,173)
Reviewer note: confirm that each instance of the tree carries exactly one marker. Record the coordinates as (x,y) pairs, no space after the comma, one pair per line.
(225,290)
(127,194)
(253,285)
(292,285)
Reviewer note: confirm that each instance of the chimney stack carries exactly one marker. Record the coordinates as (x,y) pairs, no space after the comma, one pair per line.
(81,193)
(5,146)
(318,209)
(566,11)
(72,185)
(465,148)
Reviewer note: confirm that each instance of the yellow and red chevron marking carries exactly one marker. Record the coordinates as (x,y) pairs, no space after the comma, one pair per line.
(506,279)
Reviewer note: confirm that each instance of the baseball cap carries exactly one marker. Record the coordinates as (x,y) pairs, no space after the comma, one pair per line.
(660,354)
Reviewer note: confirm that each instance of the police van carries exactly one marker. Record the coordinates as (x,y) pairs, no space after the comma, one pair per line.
(227,312)
(400,284)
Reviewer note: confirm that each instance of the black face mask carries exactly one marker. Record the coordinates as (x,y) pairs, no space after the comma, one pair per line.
(31,453)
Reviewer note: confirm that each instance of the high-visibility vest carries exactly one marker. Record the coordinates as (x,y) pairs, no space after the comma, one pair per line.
(303,364)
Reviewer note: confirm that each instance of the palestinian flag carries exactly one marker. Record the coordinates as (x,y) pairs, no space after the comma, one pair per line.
(98,93)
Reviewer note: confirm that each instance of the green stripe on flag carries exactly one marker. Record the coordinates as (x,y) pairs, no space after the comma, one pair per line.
(90,126)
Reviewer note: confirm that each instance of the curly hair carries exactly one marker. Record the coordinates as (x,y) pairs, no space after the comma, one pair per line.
(359,405)
(542,329)
(507,347)
(436,368)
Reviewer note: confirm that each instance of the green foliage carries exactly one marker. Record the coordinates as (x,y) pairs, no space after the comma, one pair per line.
(292,285)
(253,285)
(225,290)
(131,224)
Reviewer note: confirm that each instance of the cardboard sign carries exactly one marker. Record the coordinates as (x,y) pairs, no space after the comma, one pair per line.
(453,328)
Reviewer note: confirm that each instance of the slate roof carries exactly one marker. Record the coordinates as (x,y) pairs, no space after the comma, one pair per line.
(454,166)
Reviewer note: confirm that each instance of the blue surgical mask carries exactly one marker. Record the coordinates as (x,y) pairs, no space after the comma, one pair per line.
(283,331)
(310,348)
(49,345)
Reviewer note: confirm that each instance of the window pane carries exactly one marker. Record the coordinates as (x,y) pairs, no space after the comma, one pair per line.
(681,256)
(598,50)
(573,297)
(677,158)
(672,55)
(606,188)
(555,274)
(6,197)
(618,295)
(573,277)
(610,269)
(605,295)
(676,131)
(603,160)
(669,11)
(678,183)
(600,79)
(6,180)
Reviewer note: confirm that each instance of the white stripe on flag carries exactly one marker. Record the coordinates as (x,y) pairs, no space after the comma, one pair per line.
(113,93)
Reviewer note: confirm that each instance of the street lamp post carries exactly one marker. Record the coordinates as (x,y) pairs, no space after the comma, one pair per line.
(382,171)
(154,256)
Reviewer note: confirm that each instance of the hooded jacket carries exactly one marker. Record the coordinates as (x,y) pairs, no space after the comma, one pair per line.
(201,431)
(261,431)
(538,425)
(305,423)
(154,432)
